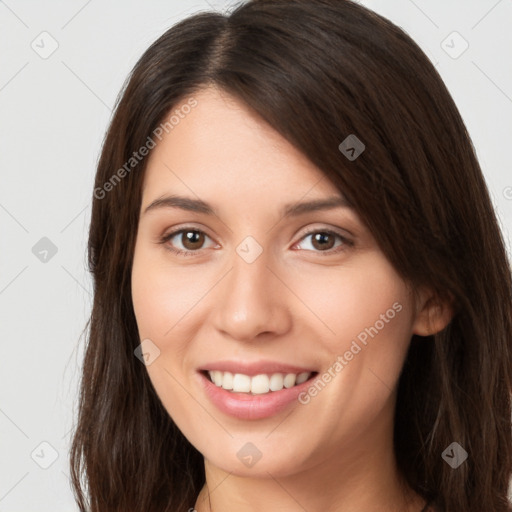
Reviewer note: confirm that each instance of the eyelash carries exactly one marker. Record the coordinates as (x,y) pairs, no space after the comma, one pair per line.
(180,252)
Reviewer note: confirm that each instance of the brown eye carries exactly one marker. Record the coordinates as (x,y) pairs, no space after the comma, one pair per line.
(186,241)
(322,241)
(192,240)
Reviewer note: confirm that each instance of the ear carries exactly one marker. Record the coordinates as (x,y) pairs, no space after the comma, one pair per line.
(432,314)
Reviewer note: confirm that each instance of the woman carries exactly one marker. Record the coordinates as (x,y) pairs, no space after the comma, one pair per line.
(302,297)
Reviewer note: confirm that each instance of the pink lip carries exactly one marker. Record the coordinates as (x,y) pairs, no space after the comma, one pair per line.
(251,407)
(255,368)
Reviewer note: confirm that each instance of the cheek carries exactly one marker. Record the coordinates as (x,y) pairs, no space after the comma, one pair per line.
(366,313)
(162,298)
(162,295)
(361,302)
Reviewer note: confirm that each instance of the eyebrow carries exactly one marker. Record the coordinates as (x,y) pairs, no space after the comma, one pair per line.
(291,209)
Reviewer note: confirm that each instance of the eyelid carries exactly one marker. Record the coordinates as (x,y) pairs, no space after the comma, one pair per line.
(170,232)
(343,233)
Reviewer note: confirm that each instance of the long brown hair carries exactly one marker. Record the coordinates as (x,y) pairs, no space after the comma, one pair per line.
(316,71)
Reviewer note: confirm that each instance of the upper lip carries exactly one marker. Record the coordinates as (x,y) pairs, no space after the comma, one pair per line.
(254,367)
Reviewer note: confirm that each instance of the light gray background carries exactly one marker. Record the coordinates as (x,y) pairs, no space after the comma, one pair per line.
(54,113)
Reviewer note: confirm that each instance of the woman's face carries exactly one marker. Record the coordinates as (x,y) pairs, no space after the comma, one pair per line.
(268,291)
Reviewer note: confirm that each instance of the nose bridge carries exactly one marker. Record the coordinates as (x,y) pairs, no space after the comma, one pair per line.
(252,299)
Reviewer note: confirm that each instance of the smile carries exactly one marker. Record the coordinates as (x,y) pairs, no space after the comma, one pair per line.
(257,384)
(252,391)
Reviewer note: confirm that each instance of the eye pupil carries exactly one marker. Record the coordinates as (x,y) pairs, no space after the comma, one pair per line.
(321,239)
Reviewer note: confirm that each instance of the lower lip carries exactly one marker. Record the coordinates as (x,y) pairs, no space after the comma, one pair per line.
(252,407)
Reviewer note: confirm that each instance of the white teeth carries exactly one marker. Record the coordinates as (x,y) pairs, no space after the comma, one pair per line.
(302,377)
(260,384)
(289,380)
(257,385)
(217,378)
(241,383)
(276,382)
(227,380)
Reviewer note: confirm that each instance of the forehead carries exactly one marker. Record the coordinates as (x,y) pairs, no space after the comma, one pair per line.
(222,147)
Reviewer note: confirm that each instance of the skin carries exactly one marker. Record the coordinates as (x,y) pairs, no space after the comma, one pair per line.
(297,303)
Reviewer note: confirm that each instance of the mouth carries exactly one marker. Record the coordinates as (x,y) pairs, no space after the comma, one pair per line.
(254,390)
(259,384)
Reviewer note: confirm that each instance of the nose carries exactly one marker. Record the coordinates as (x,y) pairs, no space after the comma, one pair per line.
(252,302)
